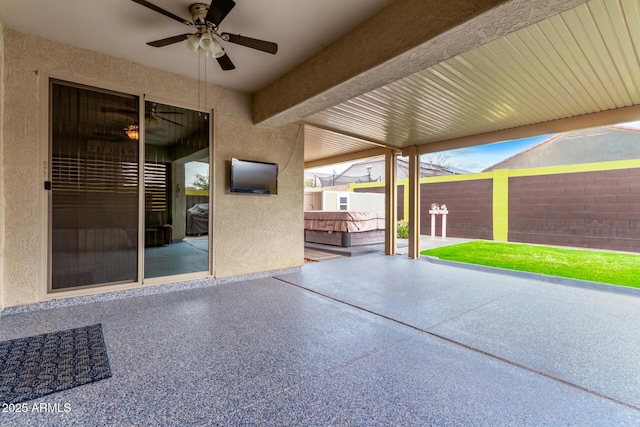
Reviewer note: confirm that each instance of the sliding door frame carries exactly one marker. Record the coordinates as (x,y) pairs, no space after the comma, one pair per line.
(187,276)
(45,201)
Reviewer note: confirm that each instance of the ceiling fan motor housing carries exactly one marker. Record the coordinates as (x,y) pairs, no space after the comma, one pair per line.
(199,13)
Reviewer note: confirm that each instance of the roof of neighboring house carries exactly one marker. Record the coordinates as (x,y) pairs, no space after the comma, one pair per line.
(580,146)
(375,168)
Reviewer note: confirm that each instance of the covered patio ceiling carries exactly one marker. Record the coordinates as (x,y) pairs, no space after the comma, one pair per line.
(573,69)
(427,73)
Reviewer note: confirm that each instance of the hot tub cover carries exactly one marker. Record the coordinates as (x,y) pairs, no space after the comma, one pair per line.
(351,221)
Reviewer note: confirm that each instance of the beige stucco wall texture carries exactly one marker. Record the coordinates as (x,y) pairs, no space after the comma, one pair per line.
(251,233)
(2,234)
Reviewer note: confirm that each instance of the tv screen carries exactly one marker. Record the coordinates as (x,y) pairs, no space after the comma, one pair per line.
(253,177)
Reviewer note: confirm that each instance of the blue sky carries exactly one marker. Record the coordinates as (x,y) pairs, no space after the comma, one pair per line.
(472,159)
(476,159)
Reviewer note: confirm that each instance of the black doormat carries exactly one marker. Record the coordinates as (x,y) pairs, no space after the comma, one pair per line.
(36,366)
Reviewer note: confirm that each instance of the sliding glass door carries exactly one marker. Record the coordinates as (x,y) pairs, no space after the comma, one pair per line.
(95,197)
(176,172)
(94,187)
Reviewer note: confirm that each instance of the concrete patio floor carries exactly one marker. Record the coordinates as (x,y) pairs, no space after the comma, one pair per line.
(365,340)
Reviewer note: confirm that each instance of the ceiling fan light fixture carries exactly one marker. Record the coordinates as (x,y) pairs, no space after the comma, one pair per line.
(193,42)
(132,131)
(216,49)
(203,43)
(206,41)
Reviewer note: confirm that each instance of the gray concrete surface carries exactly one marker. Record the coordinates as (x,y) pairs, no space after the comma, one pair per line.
(581,336)
(366,340)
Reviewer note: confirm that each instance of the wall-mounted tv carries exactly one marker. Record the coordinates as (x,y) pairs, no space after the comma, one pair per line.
(254,177)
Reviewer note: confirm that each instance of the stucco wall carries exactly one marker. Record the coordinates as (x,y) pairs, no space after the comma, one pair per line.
(251,234)
(2,227)
(259,232)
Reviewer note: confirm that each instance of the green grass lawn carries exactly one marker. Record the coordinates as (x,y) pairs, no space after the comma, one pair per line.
(604,267)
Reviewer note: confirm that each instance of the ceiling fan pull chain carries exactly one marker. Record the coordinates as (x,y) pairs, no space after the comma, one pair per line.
(205,84)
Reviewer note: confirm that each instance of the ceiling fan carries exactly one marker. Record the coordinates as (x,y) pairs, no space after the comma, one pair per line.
(158,115)
(152,113)
(205,20)
(127,133)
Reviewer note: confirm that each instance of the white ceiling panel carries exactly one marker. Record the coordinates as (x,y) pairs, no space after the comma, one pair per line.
(322,144)
(585,60)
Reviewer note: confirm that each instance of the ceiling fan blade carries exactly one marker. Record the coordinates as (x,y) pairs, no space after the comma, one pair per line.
(262,45)
(169,40)
(155,131)
(109,136)
(225,63)
(119,111)
(218,10)
(168,120)
(162,11)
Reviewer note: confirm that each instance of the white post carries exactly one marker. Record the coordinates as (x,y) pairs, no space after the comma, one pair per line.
(433,226)
(438,210)
(444,226)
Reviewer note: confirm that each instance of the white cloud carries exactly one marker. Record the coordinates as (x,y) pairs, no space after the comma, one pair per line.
(191,169)
(632,125)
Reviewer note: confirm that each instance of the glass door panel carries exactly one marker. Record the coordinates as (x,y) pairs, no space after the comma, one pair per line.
(94,182)
(176,191)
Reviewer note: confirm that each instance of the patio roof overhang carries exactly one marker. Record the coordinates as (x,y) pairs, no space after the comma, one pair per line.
(481,72)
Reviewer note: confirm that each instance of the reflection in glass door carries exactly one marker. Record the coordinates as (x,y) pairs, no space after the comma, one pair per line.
(94,183)
(176,175)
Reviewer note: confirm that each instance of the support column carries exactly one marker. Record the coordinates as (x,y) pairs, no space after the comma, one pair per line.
(501,205)
(405,204)
(391,203)
(414,201)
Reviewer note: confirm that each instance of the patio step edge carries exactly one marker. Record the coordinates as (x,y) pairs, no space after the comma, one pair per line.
(565,281)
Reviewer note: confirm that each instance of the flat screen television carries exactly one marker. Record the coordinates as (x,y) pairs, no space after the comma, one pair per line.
(248,176)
